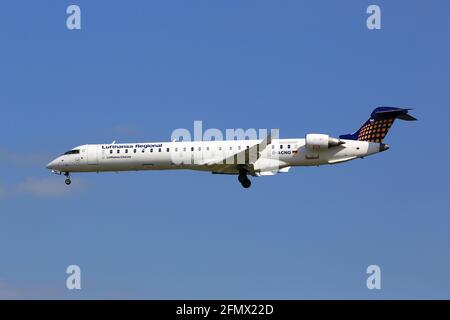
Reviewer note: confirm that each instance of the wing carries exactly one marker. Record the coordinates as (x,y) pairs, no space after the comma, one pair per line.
(241,161)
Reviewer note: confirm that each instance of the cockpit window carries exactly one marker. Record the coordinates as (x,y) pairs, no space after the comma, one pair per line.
(76,151)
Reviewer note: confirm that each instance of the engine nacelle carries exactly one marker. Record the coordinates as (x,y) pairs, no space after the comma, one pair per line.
(317,141)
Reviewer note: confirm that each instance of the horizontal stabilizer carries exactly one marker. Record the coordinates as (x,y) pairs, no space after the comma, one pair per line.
(406,117)
(392,113)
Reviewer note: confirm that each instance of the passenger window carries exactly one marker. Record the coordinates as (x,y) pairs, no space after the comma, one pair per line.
(110,151)
(126,150)
(231,148)
(220,148)
(143,150)
(118,150)
(281,146)
(239,147)
(168,149)
(289,146)
(199,149)
(192,148)
(273,146)
(184,149)
(159,149)
(134,150)
(151,149)
(176,149)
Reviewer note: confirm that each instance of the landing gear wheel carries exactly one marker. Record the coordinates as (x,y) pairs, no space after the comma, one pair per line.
(67,181)
(246,183)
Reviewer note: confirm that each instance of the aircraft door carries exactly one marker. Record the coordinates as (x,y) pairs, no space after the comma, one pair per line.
(92,155)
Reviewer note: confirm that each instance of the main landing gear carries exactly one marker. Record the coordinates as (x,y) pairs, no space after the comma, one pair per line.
(244,180)
(67,181)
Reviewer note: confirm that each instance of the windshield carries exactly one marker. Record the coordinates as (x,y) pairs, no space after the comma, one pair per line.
(76,151)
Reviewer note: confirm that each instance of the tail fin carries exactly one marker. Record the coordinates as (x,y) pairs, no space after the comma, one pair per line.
(376,128)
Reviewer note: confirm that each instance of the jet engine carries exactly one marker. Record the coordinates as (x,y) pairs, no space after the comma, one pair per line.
(321,141)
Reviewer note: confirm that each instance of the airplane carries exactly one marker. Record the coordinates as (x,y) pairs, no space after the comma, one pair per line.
(236,157)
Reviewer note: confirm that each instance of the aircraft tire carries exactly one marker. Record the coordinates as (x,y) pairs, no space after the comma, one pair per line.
(246,183)
(242,177)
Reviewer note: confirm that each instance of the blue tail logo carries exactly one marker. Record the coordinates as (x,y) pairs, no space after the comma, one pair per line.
(377,127)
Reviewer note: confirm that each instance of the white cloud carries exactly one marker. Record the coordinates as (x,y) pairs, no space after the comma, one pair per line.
(35,159)
(41,187)
(35,187)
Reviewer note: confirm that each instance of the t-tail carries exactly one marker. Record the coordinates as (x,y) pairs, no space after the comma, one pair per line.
(377,126)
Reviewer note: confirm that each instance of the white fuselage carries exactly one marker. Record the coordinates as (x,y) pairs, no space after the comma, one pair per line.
(205,155)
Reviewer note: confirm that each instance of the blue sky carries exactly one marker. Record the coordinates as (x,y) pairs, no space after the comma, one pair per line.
(138,70)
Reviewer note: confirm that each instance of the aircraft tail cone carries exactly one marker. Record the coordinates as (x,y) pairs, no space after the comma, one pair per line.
(384,147)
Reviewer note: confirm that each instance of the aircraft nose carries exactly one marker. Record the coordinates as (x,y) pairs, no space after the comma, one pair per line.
(50,165)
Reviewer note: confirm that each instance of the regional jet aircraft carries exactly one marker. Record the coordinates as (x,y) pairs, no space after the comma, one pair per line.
(237,157)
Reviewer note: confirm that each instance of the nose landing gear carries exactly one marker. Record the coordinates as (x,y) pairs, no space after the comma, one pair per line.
(67,174)
(244,180)
(67,181)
